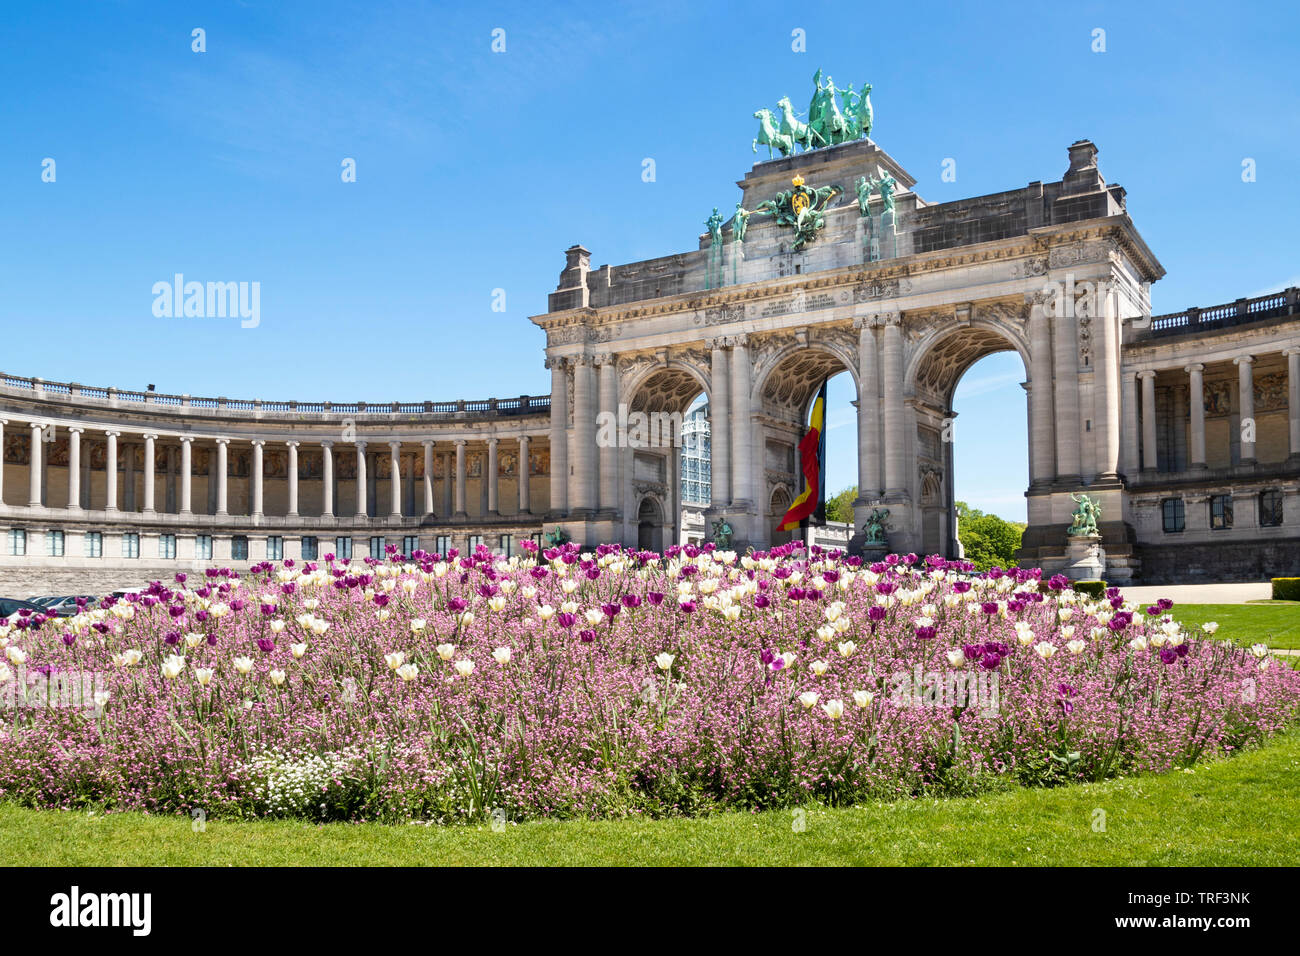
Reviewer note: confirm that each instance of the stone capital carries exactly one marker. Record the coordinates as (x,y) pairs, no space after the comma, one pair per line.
(718,344)
(112,434)
(293,444)
(1293,350)
(1040,298)
(327,443)
(255,442)
(222,441)
(1194,367)
(395,445)
(889,319)
(1146,373)
(361,445)
(185,439)
(72,429)
(459,443)
(604,358)
(738,341)
(492,441)
(865,322)
(427,442)
(1241,360)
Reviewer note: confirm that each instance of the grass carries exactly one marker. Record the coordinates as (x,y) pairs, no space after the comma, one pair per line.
(1275,623)
(1234,812)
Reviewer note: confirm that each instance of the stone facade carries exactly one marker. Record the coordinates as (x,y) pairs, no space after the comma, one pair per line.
(108,488)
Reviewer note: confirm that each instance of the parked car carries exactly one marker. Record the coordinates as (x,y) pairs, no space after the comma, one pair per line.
(11,606)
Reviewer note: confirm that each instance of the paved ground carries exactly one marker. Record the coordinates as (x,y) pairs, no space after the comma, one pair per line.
(1204,593)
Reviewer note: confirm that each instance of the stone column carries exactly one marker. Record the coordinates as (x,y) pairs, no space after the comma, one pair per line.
(742,427)
(187,468)
(582,493)
(461,513)
(1196,404)
(1066,365)
(223,491)
(110,471)
(491,477)
(291,473)
(1293,397)
(428,476)
(35,468)
(720,425)
(149,473)
(363,505)
(327,479)
(395,478)
(608,453)
(3,423)
(1130,464)
(523,474)
(1246,387)
(895,415)
(559,435)
(1106,403)
(74,467)
(128,492)
(868,410)
(1148,378)
(257,505)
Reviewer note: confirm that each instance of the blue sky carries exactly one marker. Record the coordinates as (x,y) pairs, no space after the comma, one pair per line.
(476,169)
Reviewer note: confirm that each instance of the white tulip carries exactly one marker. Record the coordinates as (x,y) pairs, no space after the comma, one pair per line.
(808,698)
(417,625)
(819,667)
(846,648)
(545,612)
(243,664)
(408,672)
(863,698)
(957,658)
(501,655)
(1259,650)
(298,650)
(16,655)
(203,675)
(445,651)
(834,709)
(395,660)
(1076,646)
(665,661)
(464,668)
(1209,627)
(1044,649)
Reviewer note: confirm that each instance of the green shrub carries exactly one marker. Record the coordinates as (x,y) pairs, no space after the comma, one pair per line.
(1286,589)
(1094,589)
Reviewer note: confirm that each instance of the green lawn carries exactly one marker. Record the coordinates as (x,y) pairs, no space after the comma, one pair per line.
(1275,623)
(1234,812)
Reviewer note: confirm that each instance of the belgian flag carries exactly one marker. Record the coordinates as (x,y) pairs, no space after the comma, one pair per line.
(810,506)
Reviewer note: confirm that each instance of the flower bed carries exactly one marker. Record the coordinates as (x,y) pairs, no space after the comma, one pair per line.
(609,683)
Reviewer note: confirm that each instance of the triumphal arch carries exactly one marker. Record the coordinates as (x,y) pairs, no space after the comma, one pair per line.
(829,263)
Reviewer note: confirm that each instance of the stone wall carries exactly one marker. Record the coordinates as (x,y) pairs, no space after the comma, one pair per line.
(1235,561)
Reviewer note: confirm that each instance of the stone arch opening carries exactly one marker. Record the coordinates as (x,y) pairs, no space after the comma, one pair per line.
(665,460)
(996,439)
(785,395)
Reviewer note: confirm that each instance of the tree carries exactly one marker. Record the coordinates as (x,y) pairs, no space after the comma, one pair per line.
(987,539)
(840,508)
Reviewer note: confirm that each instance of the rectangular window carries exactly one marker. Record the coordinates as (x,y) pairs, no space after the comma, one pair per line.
(343,548)
(1270,508)
(1220,512)
(410,544)
(377,547)
(441,544)
(539,539)
(274,548)
(1172,514)
(17,542)
(474,541)
(130,545)
(167,546)
(94,544)
(508,545)
(203,547)
(310,548)
(239,548)
(54,544)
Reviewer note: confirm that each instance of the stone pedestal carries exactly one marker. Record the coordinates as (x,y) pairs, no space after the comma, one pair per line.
(1085,558)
